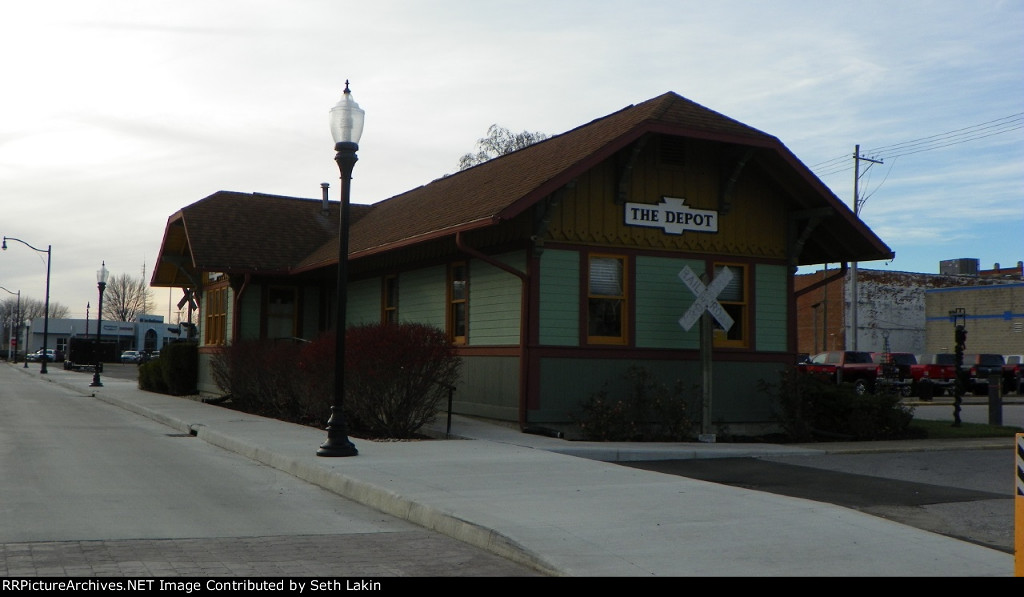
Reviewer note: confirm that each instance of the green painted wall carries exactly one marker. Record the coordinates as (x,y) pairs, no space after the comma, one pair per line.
(488,387)
(494,301)
(770,282)
(661,299)
(251,306)
(559,313)
(363,302)
(422,296)
(567,383)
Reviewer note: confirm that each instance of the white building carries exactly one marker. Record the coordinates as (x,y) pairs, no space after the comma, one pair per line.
(147,332)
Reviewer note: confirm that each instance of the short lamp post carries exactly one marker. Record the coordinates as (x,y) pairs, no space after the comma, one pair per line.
(28,328)
(46,307)
(346,119)
(101,283)
(13,321)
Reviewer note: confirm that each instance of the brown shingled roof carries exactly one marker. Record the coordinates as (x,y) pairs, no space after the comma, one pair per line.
(505,186)
(235,232)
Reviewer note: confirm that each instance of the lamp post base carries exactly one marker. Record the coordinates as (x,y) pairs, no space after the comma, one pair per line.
(337,443)
(332,448)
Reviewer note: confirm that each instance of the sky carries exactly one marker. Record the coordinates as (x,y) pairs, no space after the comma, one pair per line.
(118,113)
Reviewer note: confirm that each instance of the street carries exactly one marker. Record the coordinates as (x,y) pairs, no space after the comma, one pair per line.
(967,494)
(90,489)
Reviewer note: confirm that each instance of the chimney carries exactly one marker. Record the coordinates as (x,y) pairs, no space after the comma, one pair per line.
(324,209)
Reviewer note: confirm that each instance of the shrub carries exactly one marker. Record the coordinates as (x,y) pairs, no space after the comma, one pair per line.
(264,377)
(396,376)
(151,377)
(179,366)
(808,408)
(651,412)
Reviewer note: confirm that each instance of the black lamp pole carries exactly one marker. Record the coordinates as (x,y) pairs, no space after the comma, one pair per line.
(46,311)
(346,127)
(17,318)
(101,283)
(28,328)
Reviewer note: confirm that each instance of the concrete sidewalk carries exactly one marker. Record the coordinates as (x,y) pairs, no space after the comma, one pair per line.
(563,509)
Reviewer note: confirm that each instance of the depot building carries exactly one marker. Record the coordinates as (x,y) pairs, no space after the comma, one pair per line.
(664,236)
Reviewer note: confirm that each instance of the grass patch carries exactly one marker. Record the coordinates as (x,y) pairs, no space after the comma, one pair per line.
(945,429)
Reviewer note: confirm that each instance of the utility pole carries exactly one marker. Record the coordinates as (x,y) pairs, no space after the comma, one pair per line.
(854,305)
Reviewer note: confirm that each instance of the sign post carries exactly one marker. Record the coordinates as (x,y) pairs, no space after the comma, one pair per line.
(1018,508)
(704,307)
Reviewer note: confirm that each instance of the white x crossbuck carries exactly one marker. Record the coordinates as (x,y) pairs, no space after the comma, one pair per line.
(707,298)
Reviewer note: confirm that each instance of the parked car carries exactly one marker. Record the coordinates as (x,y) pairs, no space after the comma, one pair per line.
(844,366)
(1013,374)
(940,371)
(898,369)
(131,356)
(979,368)
(37,356)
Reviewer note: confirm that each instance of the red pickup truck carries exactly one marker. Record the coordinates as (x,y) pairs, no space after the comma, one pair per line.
(899,370)
(940,371)
(846,366)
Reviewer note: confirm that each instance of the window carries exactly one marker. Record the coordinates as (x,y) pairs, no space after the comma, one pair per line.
(389,300)
(216,316)
(606,299)
(458,302)
(280,312)
(734,300)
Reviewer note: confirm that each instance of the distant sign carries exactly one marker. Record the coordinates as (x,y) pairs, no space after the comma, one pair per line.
(707,298)
(671,215)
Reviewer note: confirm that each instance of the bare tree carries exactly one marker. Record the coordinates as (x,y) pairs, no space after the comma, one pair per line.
(31,308)
(11,318)
(126,297)
(498,142)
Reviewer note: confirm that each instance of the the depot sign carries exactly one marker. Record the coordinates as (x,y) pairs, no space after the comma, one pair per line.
(672,215)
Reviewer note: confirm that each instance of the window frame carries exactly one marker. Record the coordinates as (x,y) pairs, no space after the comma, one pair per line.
(738,335)
(622,339)
(215,315)
(389,299)
(292,317)
(454,303)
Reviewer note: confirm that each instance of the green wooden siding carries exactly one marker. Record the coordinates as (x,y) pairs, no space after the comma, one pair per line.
(362,303)
(661,299)
(559,313)
(567,383)
(770,282)
(251,307)
(494,301)
(422,296)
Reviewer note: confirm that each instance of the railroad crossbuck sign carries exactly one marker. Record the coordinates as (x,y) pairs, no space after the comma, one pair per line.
(707,298)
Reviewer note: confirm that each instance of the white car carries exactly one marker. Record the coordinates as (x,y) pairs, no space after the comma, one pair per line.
(131,356)
(35,357)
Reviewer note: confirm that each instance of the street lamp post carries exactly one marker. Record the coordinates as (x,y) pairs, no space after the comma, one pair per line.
(14,333)
(28,328)
(101,283)
(46,307)
(346,119)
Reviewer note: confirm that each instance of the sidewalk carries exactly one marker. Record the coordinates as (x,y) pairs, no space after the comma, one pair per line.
(561,508)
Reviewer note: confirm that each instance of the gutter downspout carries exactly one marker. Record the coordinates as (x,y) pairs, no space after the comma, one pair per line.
(524,310)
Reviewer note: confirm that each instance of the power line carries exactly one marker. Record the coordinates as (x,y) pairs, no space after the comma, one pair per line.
(983,130)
